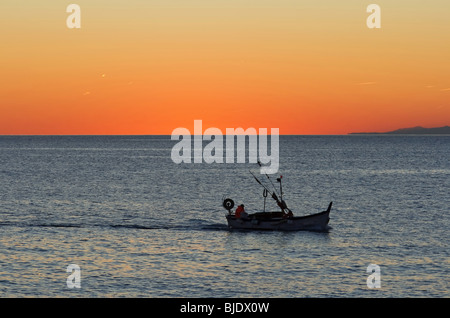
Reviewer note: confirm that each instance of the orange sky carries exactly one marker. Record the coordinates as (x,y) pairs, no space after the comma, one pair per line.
(148,67)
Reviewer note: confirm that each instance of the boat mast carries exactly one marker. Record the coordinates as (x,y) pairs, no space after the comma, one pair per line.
(281,203)
(270,180)
(281,187)
(265,196)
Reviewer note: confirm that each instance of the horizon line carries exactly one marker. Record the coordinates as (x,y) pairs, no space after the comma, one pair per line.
(318,134)
(164,135)
(3,135)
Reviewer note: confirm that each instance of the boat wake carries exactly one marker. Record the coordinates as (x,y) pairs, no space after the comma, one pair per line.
(183,227)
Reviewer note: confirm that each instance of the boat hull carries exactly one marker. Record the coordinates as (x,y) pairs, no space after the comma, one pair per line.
(272,222)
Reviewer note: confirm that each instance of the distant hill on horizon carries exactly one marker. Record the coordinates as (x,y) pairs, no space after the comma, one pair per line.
(445,130)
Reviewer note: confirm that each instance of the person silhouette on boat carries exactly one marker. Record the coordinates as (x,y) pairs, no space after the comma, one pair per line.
(240,212)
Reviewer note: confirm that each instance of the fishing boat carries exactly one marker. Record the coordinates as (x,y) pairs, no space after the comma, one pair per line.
(283,220)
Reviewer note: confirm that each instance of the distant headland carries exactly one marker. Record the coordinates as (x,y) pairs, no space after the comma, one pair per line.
(411,131)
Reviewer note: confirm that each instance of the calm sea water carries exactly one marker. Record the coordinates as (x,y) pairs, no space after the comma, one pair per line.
(139,225)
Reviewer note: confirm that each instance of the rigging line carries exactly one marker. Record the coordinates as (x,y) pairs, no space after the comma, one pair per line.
(274,196)
(259,163)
